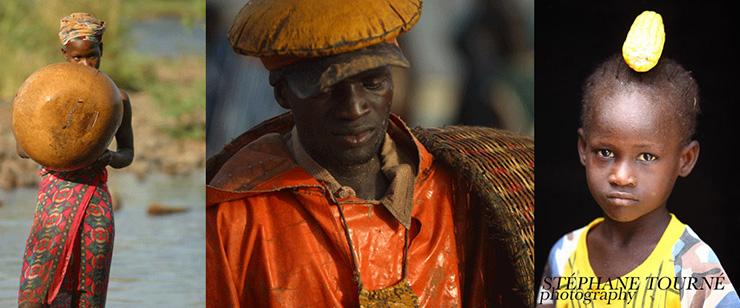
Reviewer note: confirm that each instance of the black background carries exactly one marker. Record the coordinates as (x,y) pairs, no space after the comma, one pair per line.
(572,38)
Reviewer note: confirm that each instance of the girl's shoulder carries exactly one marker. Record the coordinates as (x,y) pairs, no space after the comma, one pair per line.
(693,258)
(689,251)
(566,246)
(569,241)
(688,246)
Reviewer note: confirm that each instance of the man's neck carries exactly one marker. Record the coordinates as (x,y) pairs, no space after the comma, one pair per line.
(367,179)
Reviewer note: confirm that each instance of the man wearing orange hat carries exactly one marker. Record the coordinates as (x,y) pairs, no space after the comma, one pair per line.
(337,203)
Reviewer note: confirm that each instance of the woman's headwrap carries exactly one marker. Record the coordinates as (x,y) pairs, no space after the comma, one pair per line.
(82,26)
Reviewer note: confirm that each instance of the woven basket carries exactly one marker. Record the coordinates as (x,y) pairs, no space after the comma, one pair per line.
(500,167)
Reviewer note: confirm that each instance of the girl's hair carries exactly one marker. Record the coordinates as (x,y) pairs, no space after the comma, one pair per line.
(668,83)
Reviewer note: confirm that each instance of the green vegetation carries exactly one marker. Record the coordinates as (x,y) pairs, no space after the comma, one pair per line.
(28,41)
(188,10)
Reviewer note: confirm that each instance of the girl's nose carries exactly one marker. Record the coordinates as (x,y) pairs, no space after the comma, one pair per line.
(622,175)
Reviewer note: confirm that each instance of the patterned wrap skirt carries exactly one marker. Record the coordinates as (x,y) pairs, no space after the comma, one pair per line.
(68,253)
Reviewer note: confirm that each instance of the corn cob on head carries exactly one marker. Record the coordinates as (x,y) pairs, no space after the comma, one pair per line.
(644,43)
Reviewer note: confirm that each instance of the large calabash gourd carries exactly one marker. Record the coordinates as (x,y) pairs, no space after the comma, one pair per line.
(65,115)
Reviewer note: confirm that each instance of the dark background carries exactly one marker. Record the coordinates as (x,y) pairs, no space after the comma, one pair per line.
(571,40)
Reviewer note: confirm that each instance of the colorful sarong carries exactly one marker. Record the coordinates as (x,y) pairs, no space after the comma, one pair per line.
(68,253)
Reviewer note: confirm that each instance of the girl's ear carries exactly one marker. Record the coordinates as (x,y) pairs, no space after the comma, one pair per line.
(582,146)
(689,156)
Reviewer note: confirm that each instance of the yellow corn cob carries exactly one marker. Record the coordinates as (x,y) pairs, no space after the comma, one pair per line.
(644,43)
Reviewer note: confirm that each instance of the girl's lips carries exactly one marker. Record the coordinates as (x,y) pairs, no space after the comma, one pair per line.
(622,199)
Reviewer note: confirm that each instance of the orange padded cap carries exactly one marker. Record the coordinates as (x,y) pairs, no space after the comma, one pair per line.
(316,28)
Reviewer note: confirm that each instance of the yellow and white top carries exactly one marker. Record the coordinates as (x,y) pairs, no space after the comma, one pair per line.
(681,271)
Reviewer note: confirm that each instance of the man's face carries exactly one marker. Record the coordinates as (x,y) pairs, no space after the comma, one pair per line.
(83,52)
(345,125)
(633,153)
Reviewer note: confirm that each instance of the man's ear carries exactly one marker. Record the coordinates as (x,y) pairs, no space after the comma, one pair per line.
(689,156)
(582,146)
(280,95)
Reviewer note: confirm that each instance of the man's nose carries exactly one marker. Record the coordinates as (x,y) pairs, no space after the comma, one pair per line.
(354,106)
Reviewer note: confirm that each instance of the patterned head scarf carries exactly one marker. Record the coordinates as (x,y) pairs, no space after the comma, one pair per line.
(81,26)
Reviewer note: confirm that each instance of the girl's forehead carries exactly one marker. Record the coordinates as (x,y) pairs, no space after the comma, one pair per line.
(635,114)
(634,104)
(82,46)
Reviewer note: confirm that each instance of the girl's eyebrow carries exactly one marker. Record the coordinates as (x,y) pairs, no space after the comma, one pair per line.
(600,142)
(647,145)
(84,54)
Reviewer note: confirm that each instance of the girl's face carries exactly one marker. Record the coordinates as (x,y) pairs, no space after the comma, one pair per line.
(83,52)
(633,152)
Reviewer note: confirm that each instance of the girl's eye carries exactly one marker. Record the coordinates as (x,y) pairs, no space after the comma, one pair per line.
(604,153)
(647,157)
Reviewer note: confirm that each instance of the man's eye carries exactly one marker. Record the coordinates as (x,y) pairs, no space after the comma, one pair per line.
(647,157)
(76,58)
(604,153)
(373,84)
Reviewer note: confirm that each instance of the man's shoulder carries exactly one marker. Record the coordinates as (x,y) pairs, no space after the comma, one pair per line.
(477,145)
(252,164)
(263,140)
(498,166)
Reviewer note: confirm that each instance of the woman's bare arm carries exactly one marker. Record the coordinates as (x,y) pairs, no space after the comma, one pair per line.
(124,154)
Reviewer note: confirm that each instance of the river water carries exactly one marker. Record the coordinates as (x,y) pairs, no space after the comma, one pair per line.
(157,260)
(168,37)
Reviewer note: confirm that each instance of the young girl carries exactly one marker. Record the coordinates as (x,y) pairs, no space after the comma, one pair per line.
(68,253)
(636,139)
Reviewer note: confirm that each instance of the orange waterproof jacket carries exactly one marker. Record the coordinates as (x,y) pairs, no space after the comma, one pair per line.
(274,237)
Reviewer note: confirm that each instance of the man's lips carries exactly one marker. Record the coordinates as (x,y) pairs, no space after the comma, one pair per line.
(621,198)
(354,137)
